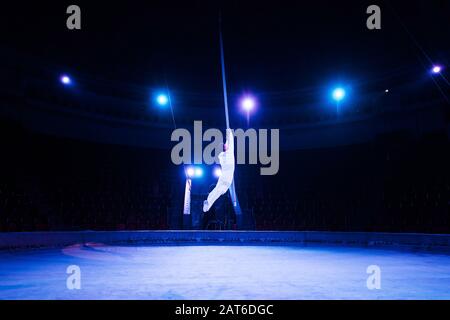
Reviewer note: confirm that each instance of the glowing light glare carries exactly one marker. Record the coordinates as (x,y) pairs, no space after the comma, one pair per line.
(65,80)
(194,172)
(338,94)
(198,172)
(162,99)
(436,69)
(190,172)
(217,172)
(248,103)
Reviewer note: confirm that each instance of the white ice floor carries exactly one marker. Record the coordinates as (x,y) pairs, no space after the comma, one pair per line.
(223,272)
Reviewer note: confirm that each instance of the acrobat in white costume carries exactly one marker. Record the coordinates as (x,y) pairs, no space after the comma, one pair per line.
(226,160)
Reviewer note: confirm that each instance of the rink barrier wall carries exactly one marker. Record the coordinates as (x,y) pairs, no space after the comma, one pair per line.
(15,240)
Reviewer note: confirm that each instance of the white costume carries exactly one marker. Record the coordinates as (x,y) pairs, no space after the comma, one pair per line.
(226,160)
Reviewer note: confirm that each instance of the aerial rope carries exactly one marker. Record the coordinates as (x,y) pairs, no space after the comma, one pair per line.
(224,79)
(226,158)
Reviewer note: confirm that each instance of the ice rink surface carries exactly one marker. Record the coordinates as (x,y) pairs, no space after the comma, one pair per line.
(223,272)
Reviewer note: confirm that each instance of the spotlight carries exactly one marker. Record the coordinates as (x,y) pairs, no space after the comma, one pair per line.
(194,172)
(248,103)
(436,69)
(217,172)
(386,91)
(190,172)
(198,172)
(65,80)
(162,99)
(338,94)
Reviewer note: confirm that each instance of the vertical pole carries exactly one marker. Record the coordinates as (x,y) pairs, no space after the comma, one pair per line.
(187,219)
(187,197)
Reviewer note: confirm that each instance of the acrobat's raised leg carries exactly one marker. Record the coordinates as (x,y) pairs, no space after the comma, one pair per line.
(219,190)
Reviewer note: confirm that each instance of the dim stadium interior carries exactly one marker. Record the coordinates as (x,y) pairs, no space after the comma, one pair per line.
(331,171)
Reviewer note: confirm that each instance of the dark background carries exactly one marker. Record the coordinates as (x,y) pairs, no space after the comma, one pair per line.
(288,53)
(96,155)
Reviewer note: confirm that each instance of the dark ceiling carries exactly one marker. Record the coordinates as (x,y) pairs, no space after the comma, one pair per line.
(285,52)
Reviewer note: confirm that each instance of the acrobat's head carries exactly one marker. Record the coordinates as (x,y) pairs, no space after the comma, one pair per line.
(225,147)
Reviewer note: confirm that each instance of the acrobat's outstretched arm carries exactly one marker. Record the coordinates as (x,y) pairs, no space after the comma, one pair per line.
(230,141)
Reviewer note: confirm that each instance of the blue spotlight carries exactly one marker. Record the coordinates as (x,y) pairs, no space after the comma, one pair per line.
(436,69)
(162,99)
(198,172)
(190,172)
(217,172)
(248,103)
(338,94)
(65,80)
(194,172)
